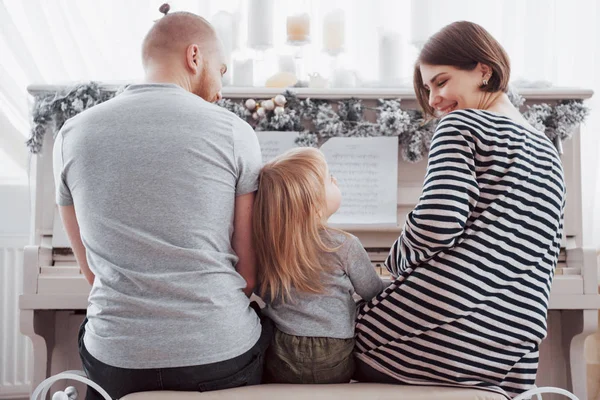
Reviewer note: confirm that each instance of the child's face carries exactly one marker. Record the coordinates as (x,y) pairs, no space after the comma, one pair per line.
(333,195)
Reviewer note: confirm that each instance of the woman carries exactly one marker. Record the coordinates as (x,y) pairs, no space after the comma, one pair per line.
(476,257)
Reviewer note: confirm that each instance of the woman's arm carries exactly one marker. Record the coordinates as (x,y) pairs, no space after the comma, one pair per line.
(367,284)
(450,193)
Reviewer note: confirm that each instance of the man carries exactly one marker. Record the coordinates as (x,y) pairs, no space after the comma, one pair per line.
(155,189)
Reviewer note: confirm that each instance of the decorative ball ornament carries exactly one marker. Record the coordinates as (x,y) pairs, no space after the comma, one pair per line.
(60,395)
(250,104)
(268,104)
(71,392)
(280,100)
(254,115)
(279,110)
(261,112)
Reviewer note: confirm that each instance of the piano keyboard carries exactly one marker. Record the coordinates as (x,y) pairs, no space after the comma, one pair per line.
(379,254)
(65,275)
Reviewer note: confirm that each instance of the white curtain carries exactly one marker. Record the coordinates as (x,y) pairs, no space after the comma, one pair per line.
(62,41)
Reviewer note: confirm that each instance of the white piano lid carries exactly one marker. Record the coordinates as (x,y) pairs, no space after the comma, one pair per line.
(406,92)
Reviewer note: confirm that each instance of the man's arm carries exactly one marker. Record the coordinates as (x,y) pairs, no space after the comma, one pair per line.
(69,219)
(242,240)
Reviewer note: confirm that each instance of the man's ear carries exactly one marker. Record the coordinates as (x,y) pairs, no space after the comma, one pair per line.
(193,58)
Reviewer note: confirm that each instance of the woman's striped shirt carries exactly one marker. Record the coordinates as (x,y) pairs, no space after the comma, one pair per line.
(474,262)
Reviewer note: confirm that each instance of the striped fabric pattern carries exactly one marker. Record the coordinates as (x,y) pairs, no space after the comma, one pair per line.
(474,263)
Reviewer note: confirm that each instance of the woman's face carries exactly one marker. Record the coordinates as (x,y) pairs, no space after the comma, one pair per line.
(451,88)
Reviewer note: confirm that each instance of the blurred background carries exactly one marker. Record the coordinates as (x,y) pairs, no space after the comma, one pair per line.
(325,44)
(348,43)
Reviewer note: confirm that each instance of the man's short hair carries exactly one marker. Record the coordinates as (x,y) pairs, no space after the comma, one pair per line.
(175,32)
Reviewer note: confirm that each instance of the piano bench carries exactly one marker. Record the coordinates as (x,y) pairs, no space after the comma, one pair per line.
(346,391)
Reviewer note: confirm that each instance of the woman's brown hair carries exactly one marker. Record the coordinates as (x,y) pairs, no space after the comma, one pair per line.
(462,45)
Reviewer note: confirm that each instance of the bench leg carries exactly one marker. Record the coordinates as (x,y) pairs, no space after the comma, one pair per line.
(39,327)
(577,325)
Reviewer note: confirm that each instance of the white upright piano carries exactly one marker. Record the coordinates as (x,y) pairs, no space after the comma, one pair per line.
(55,293)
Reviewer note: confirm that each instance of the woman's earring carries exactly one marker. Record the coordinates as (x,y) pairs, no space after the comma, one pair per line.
(485,82)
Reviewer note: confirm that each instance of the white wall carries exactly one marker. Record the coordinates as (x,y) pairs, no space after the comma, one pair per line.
(14,210)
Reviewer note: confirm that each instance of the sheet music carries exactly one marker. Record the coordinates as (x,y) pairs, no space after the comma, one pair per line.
(274,143)
(367,174)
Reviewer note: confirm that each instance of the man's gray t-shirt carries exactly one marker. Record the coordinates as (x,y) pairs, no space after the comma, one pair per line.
(333,312)
(153,175)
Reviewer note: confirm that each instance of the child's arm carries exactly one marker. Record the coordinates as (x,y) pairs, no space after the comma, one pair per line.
(367,284)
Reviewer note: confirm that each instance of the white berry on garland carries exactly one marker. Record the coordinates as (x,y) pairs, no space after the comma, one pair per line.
(280,100)
(250,104)
(279,110)
(268,105)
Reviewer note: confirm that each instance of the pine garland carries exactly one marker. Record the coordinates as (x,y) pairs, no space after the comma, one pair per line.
(235,107)
(53,110)
(317,120)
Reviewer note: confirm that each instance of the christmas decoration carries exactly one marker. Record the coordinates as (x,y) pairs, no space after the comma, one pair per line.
(317,120)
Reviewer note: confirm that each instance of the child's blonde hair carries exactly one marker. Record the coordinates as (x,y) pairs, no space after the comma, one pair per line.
(288,219)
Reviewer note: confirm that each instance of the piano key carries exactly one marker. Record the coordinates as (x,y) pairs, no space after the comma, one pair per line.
(60,270)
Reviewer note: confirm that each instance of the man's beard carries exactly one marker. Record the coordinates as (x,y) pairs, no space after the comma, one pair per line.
(203,89)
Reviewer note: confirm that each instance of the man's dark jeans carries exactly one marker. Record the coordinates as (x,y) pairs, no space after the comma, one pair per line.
(243,370)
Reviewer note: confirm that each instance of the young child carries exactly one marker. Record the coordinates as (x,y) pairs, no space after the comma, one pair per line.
(307,271)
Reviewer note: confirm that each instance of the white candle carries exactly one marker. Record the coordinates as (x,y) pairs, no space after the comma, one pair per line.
(298,28)
(422,14)
(334,32)
(236,21)
(316,81)
(287,64)
(390,51)
(260,24)
(243,72)
(344,78)
(223,24)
